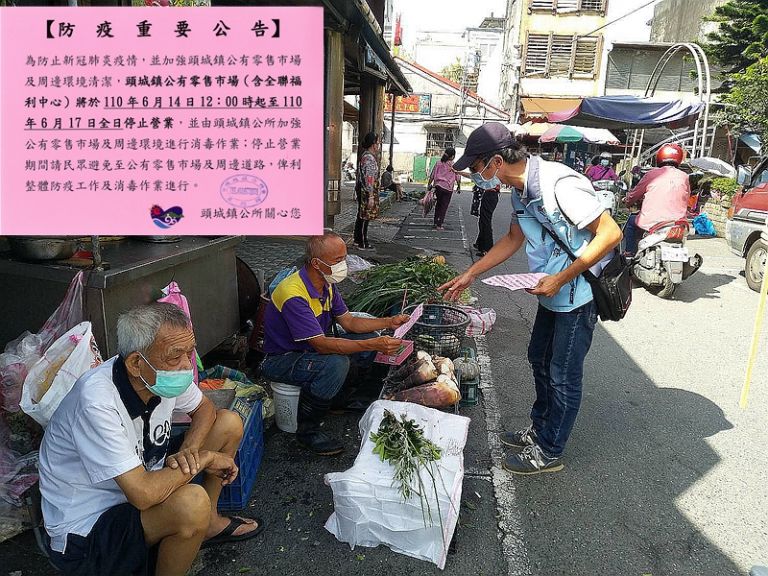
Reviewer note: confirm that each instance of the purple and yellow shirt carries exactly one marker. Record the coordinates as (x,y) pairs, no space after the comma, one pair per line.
(297,312)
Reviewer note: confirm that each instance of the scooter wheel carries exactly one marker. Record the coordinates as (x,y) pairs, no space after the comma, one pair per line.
(666,290)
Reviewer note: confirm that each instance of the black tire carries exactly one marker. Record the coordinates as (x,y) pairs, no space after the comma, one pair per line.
(755,265)
(666,290)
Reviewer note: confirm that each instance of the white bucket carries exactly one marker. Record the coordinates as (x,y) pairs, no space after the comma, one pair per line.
(286,398)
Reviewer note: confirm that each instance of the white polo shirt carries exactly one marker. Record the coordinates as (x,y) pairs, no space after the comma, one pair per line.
(100,430)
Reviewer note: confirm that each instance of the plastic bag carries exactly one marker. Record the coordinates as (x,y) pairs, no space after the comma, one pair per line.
(21,354)
(703,225)
(428,202)
(355,265)
(480,320)
(53,376)
(279,277)
(368,507)
(172,295)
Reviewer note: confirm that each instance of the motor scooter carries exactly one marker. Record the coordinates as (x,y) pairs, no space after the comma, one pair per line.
(662,261)
(610,193)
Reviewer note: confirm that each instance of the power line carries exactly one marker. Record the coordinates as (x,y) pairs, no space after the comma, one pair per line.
(620,18)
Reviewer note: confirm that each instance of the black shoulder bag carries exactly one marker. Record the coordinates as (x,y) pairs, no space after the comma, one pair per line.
(612,290)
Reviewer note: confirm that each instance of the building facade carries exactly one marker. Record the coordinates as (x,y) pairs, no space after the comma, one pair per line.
(438,114)
(683,20)
(556,51)
(477,49)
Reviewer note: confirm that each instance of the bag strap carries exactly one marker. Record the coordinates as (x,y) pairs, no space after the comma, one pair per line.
(587,273)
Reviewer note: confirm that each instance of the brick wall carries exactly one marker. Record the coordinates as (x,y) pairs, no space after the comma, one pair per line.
(717,211)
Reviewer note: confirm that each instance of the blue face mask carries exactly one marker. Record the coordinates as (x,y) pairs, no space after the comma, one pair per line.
(605,162)
(482,183)
(168,383)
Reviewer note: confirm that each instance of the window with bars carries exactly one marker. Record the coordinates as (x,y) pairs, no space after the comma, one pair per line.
(567,6)
(438,141)
(558,56)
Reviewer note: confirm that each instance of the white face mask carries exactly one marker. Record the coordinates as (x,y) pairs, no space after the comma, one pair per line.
(338,272)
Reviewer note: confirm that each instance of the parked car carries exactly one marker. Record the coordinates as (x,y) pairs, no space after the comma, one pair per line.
(746,220)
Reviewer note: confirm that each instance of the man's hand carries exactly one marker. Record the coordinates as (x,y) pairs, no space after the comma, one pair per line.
(188,459)
(387,345)
(222,466)
(453,288)
(397,321)
(547,286)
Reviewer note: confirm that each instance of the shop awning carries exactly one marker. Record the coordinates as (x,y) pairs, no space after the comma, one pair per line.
(358,13)
(351,113)
(541,107)
(623,112)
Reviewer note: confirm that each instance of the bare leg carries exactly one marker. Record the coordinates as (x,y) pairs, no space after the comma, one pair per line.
(224,437)
(179,524)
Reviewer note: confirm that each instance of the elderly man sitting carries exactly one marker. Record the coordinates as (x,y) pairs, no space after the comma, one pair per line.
(299,343)
(113,481)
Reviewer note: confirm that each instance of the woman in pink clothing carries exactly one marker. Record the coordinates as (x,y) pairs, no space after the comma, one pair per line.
(444,180)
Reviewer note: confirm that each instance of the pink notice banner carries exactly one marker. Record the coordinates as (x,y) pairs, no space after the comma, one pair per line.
(147,121)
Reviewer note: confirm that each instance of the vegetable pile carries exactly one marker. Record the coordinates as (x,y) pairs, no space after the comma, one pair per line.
(383,286)
(402,443)
(424,379)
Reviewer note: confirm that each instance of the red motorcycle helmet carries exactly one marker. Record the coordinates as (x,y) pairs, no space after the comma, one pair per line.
(670,154)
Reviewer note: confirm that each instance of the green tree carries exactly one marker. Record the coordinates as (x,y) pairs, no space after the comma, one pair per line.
(454,72)
(746,104)
(742,35)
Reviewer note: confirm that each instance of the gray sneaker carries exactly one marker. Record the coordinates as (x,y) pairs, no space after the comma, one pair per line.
(532,460)
(520,438)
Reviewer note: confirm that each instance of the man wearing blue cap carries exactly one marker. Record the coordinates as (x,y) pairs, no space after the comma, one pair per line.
(548,198)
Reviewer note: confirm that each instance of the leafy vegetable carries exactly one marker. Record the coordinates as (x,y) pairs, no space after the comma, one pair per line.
(402,443)
(383,286)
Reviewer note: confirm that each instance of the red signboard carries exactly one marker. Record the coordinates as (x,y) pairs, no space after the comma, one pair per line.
(413,104)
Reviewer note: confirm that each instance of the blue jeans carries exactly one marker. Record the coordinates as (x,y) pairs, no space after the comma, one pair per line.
(632,234)
(559,343)
(322,375)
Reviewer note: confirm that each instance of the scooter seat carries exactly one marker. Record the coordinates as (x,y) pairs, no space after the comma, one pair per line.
(668,223)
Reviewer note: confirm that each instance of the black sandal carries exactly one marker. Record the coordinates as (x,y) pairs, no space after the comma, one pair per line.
(228,535)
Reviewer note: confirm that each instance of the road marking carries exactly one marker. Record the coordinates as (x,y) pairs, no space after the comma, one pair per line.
(508,513)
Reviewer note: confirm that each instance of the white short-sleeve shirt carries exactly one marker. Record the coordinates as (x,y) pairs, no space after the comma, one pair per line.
(100,430)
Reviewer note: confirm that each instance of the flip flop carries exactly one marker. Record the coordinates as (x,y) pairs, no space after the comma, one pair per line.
(227,534)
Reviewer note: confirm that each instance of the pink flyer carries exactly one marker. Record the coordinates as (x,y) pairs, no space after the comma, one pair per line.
(515,281)
(147,121)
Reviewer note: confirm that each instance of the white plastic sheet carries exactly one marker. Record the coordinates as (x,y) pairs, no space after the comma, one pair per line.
(368,508)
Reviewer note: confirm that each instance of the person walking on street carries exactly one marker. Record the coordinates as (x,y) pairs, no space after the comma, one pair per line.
(444,180)
(367,189)
(488,202)
(547,197)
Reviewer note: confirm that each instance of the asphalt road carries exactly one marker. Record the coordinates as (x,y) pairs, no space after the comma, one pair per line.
(665,474)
